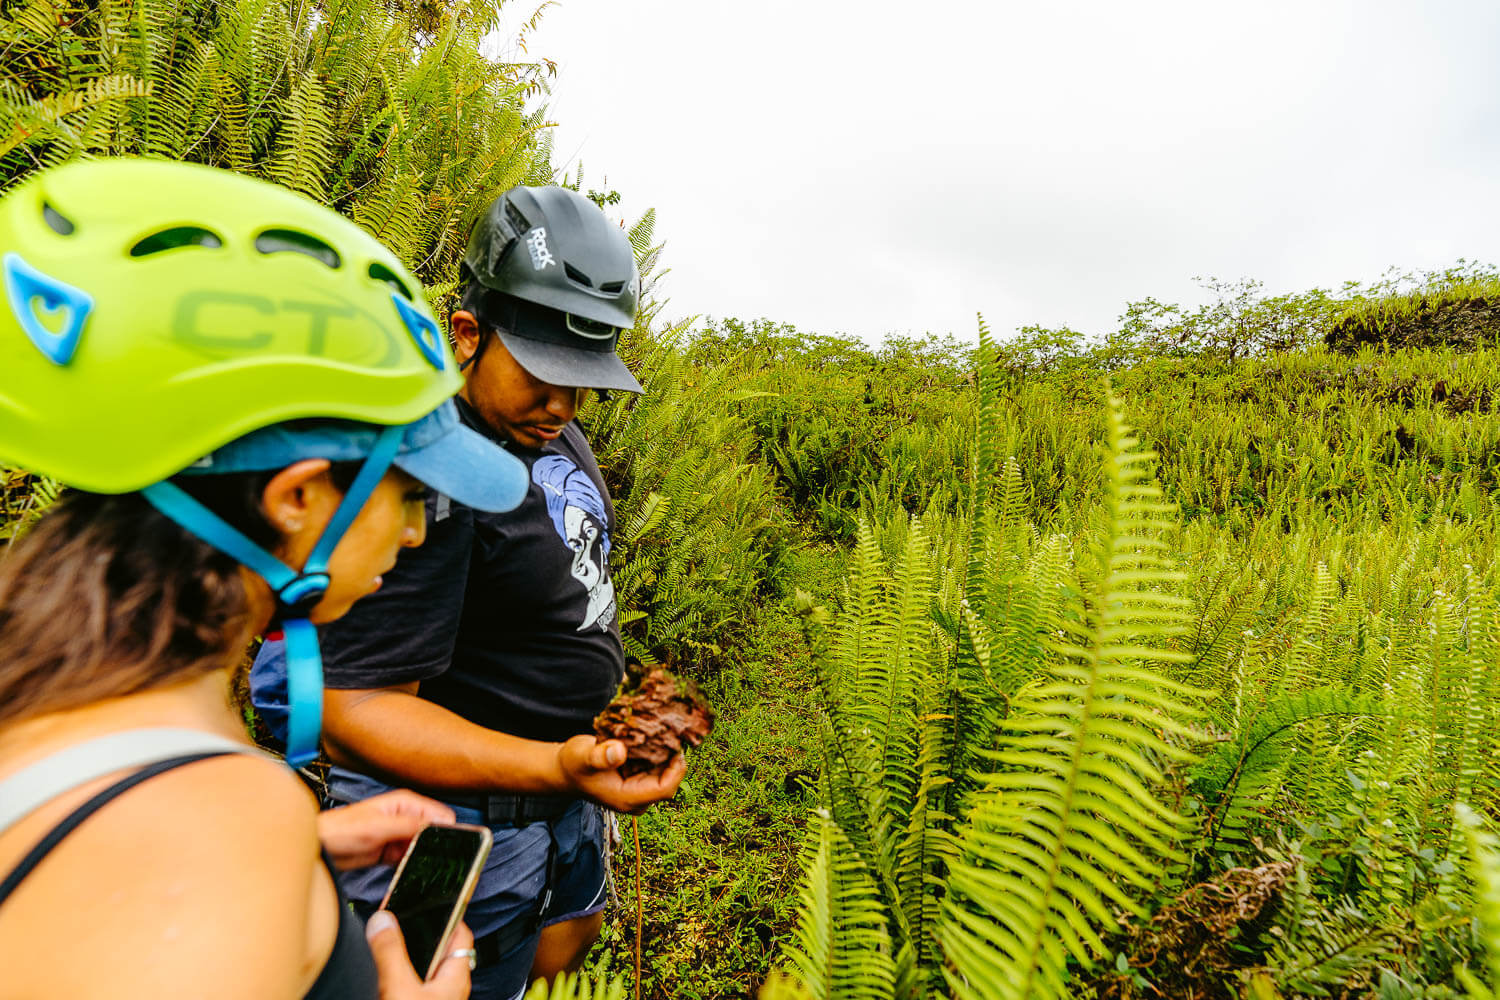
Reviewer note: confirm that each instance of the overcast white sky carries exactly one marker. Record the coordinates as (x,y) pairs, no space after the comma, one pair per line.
(865,167)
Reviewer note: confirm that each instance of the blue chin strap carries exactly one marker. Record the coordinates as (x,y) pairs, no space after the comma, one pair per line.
(296,591)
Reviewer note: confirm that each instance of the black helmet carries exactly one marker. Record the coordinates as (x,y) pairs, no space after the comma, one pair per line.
(558,282)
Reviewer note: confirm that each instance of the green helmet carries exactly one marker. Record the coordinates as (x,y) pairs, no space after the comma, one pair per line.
(159,310)
(167,318)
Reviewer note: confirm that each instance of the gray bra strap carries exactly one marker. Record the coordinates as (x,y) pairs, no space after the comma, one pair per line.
(37,784)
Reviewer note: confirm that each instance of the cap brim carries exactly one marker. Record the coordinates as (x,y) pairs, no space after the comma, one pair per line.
(470,468)
(561,365)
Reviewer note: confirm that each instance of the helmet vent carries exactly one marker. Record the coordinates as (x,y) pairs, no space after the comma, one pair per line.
(290,241)
(577,275)
(60,224)
(178,236)
(515,218)
(385,275)
(612,287)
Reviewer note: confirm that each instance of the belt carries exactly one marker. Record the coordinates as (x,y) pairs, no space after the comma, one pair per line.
(515,810)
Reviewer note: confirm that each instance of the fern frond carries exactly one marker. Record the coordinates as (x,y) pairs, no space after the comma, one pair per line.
(305,141)
(645,519)
(1484,869)
(1327,951)
(890,706)
(923,855)
(570,986)
(982,459)
(65,115)
(643,232)
(1231,774)
(1051,842)
(840,948)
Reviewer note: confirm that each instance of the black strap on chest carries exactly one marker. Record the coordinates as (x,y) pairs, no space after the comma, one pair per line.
(55,836)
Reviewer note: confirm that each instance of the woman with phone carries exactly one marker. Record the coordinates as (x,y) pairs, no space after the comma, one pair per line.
(249,398)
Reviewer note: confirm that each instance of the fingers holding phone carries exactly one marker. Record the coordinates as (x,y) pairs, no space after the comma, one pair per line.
(399,980)
(379,829)
(431,890)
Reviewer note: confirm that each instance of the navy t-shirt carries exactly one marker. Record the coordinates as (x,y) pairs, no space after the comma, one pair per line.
(508,620)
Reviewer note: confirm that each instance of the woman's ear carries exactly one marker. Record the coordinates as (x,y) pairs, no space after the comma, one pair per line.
(465,329)
(298,494)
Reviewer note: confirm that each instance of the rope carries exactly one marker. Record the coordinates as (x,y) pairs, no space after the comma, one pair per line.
(635,828)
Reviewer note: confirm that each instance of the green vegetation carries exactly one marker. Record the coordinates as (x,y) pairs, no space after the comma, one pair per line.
(1079,739)
(1159,665)
(1459,308)
(386,111)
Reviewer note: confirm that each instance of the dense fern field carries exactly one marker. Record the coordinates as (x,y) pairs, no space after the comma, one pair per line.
(1174,678)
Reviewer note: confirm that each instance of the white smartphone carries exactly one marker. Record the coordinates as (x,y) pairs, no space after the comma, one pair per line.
(431,889)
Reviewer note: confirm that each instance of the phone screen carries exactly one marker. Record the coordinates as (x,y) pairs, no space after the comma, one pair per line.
(431,885)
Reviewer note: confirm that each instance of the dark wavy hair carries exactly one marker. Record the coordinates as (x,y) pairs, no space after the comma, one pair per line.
(105,596)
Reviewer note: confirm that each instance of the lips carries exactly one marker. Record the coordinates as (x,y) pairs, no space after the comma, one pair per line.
(545,433)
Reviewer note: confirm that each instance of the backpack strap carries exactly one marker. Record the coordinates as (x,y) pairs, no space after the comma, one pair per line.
(56,835)
(37,784)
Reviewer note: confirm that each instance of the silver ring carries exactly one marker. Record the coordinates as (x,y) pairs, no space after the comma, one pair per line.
(469,953)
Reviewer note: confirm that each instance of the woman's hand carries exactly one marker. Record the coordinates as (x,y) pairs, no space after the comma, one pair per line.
(377,830)
(399,981)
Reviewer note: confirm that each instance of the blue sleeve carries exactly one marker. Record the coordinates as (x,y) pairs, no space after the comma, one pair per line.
(268,688)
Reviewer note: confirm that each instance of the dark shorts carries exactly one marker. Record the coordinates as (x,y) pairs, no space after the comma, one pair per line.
(513,884)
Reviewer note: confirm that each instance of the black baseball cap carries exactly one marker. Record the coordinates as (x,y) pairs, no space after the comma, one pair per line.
(557,347)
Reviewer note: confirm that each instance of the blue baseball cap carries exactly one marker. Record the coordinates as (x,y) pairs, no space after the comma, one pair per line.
(437,450)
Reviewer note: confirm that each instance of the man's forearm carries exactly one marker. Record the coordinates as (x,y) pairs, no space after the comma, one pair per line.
(396,736)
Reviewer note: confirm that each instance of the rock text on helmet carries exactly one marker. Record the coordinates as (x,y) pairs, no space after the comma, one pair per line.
(536,243)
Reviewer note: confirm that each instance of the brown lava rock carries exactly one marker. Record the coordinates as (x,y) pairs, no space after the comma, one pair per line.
(655,715)
(1191,948)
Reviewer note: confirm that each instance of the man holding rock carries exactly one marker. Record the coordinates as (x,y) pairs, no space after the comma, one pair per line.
(477,670)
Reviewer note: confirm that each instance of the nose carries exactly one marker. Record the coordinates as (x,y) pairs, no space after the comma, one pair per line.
(415,532)
(562,402)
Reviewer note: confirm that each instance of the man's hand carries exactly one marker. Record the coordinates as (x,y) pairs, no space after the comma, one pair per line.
(377,830)
(591,768)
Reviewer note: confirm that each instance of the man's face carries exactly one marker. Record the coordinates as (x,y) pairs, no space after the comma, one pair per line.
(519,407)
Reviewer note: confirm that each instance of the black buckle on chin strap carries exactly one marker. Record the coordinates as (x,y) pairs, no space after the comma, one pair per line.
(297,598)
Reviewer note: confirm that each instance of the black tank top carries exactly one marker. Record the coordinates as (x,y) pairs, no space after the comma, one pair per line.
(350,971)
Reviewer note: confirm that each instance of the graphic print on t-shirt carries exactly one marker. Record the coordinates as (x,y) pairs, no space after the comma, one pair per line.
(578,514)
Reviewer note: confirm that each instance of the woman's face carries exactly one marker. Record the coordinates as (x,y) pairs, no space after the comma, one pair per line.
(393,518)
